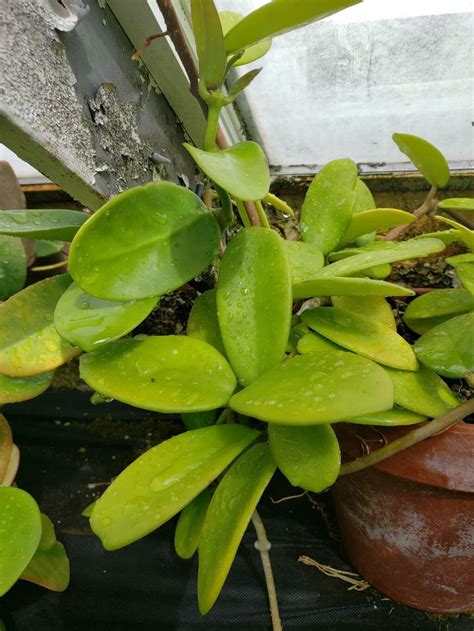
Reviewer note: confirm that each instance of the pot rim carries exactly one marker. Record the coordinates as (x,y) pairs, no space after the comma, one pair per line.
(444,461)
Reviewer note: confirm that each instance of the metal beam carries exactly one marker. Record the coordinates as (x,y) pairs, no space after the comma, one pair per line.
(74,105)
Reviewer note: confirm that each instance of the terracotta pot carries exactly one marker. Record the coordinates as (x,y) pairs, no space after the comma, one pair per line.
(408,523)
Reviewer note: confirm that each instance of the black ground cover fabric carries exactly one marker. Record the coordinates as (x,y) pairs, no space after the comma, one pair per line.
(66,445)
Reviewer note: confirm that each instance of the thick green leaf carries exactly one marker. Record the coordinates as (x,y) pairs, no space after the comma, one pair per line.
(396,416)
(276,18)
(243,82)
(446,236)
(203,323)
(430,309)
(379,219)
(227,518)
(457,203)
(314,388)
(209,39)
(163,480)
(42,224)
(466,235)
(297,331)
(30,345)
(308,456)
(378,272)
(49,566)
(16,389)
(143,243)
(6,446)
(189,527)
(364,199)
(305,260)
(90,322)
(166,374)
(230,19)
(254,302)
(327,208)
(343,286)
(241,170)
(20,534)
(362,335)
(464,266)
(393,251)
(373,307)
(12,266)
(314,343)
(47,248)
(196,420)
(448,348)
(422,392)
(426,157)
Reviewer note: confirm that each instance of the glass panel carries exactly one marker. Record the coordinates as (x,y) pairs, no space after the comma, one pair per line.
(342,86)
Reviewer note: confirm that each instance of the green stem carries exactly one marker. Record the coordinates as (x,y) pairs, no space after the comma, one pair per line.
(243,213)
(469,377)
(279,204)
(213,113)
(437,425)
(263,546)
(261,214)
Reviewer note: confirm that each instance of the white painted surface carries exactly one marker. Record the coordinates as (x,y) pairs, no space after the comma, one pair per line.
(342,86)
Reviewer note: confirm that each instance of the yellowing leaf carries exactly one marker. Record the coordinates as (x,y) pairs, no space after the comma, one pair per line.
(308,456)
(374,307)
(422,392)
(362,335)
(396,416)
(334,286)
(163,480)
(227,518)
(313,389)
(30,344)
(380,219)
(163,373)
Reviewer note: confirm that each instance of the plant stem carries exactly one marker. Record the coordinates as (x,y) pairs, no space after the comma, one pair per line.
(263,546)
(212,125)
(469,377)
(252,214)
(261,214)
(279,204)
(425,208)
(437,425)
(243,213)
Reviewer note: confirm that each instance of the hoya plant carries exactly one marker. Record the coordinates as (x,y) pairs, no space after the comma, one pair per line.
(295,337)
(28,546)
